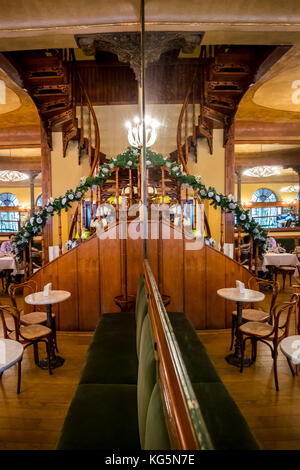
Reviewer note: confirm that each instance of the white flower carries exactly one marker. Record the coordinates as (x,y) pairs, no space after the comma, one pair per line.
(148,162)
(94,187)
(242,217)
(71,196)
(49,209)
(168,164)
(175,169)
(35,229)
(83,180)
(231,197)
(247,226)
(39,220)
(26,234)
(187,186)
(198,179)
(250,217)
(50,200)
(129,163)
(203,192)
(31,220)
(63,201)
(217,198)
(232,206)
(105,170)
(135,151)
(78,194)
(255,230)
(111,165)
(19,242)
(210,194)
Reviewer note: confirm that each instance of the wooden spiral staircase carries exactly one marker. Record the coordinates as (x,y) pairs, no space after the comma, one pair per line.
(221,78)
(52,80)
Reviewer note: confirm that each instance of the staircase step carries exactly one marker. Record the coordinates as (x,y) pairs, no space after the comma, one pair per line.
(41,91)
(231,87)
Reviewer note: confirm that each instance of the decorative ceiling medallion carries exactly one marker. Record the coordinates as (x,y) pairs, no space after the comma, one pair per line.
(262,171)
(293,188)
(11,176)
(127,46)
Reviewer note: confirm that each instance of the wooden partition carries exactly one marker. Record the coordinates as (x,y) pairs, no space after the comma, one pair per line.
(98,270)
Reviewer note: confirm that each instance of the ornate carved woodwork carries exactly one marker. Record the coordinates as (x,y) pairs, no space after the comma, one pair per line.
(127,46)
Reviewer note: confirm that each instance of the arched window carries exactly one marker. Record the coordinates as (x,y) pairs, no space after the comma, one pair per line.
(39,201)
(267,214)
(9,220)
(8,200)
(264,195)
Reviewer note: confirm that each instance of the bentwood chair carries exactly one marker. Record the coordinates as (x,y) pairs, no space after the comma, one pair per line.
(34,317)
(284,271)
(271,335)
(26,335)
(256,314)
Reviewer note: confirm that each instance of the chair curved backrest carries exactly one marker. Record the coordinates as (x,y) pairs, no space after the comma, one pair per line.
(8,310)
(282,315)
(256,283)
(24,288)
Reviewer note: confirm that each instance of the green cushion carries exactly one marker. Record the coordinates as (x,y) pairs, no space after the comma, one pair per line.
(112,323)
(141,285)
(225,423)
(142,309)
(146,376)
(156,435)
(197,362)
(101,417)
(111,361)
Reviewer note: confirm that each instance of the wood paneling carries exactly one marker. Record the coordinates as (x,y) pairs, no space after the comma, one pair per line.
(215,279)
(195,283)
(135,256)
(108,84)
(88,285)
(172,272)
(67,279)
(92,272)
(110,278)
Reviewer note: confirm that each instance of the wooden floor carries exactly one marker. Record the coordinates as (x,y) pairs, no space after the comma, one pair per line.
(274,417)
(33,419)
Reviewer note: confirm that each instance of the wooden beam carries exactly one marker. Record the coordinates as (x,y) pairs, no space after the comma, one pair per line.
(46,186)
(20,163)
(258,131)
(282,157)
(229,183)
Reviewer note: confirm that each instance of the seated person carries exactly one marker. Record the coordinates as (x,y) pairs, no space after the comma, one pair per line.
(6,247)
(245,248)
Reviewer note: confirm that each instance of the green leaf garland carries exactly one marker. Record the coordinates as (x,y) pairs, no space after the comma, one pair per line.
(130,159)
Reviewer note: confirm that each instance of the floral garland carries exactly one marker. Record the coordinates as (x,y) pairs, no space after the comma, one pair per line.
(130,159)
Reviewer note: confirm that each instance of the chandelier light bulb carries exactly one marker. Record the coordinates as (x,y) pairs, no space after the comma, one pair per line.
(135,132)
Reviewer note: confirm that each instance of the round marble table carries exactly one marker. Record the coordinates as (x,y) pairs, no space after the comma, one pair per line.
(290,347)
(11,353)
(54,297)
(234,294)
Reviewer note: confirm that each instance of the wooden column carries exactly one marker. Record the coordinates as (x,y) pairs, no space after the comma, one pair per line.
(229,183)
(46,188)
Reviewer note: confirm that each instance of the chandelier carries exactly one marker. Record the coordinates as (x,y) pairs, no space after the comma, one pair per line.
(12,176)
(262,171)
(135,132)
(293,188)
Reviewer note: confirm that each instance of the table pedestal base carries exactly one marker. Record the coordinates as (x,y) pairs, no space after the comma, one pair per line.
(235,360)
(55,362)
